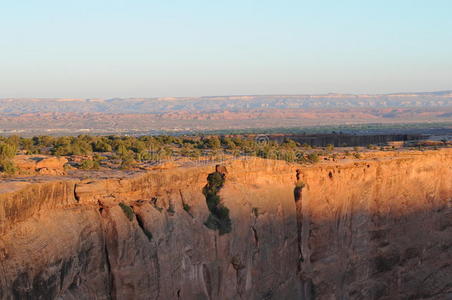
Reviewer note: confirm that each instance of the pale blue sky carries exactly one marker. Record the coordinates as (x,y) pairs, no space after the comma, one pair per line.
(97,48)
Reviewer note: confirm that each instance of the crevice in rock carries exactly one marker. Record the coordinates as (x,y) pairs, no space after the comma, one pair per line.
(308,289)
(185,205)
(297,192)
(157,268)
(110,276)
(255,234)
(306,282)
(206,278)
(153,202)
(238,267)
(220,280)
(76,197)
(216,246)
(140,222)
(171,210)
(101,207)
(256,237)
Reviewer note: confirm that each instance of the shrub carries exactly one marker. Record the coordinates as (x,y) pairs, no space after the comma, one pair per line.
(212,201)
(7,151)
(219,214)
(215,181)
(61,150)
(89,165)
(148,234)
(7,166)
(128,211)
(288,143)
(80,147)
(313,157)
(211,222)
(357,155)
(222,212)
(211,143)
(101,146)
(223,225)
(228,143)
(143,155)
(186,207)
(127,163)
(289,155)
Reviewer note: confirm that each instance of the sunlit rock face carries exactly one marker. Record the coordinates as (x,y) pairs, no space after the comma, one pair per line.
(365,229)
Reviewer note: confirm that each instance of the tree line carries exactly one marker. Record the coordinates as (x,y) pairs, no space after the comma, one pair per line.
(130,149)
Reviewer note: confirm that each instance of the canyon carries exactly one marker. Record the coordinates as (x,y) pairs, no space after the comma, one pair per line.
(379,227)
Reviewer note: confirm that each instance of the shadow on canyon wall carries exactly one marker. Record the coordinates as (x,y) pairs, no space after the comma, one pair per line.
(364,256)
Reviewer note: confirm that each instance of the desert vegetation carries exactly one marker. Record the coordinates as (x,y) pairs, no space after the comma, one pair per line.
(219,214)
(88,152)
(7,152)
(128,211)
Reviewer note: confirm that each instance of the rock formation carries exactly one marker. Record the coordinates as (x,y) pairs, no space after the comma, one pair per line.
(40,164)
(365,229)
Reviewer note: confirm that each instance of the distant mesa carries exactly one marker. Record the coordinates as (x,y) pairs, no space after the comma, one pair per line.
(115,115)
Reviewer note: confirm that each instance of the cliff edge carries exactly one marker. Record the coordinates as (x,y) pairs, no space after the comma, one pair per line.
(378,228)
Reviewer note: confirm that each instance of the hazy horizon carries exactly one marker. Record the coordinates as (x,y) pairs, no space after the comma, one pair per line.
(105,49)
(449,91)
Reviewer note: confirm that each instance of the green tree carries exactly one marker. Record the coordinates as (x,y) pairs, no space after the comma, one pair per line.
(212,143)
(101,146)
(143,155)
(7,153)
(290,144)
(43,141)
(228,143)
(7,166)
(26,144)
(13,140)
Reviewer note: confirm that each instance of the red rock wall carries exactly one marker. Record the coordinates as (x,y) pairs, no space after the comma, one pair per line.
(374,229)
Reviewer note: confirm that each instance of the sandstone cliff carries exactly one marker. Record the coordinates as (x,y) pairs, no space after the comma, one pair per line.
(370,229)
